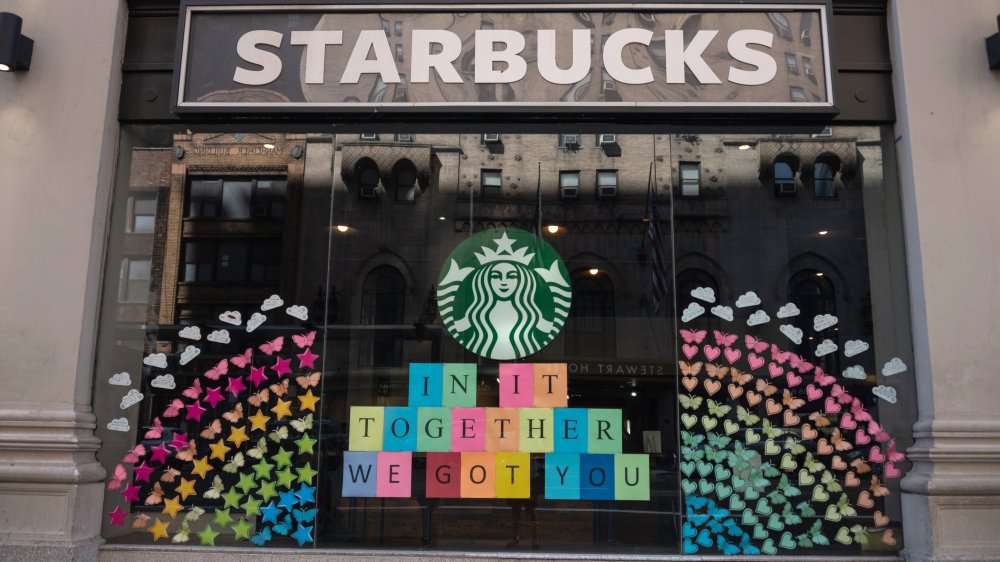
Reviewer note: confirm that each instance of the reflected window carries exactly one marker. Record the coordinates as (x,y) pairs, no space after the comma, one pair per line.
(134,285)
(781,25)
(382,304)
(569,184)
(607,184)
(491,188)
(404,178)
(814,294)
(142,213)
(824,171)
(784,176)
(792,63)
(590,331)
(236,199)
(797,94)
(368,179)
(690,179)
(232,261)
(807,67)
(570,141)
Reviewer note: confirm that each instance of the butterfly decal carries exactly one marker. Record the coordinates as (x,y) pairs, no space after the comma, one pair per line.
(134,454)
(715,371)
(214,491)
(214,428)
(793,446)
(174,408)
(766,388)
(779,356)
(739,377)
(156,431)
(791,401)
(220,368)
(305,340)
(304,515)
(861,466)
(305,381)
(140,521)
(844,507)
(194,512)
(260,450)
(279,388)
(724,339)
(155,495)
(243,359)
(892,454)
(811,464)
(718,409)
(800,363)
(876,487)
(690,369)
(188,454)
(693,336)
(271,347)
(770,430)
(262,537)
(820,419)
(182,535)
(690,402)
(193,391)
(284,527)
(830,482)
(259,397)
(746,417)
(278,434)
(813,536)
(754,344)
(839,442)
(841,394)
(117,478)
(234,415)
(170,475)
(234,464)
(302,424)
(823,379)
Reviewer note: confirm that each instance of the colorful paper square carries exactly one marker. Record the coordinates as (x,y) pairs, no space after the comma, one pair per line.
(536,430)
(632,477)
(459,385)
(468,429)
(570,428)
(604,431)
(597,477)
(478,470)
(425,384)
(394,475)
(434,429)
(513,475)
(502,429)
(516,385)
(562,476)
(360,473)
(366,428)
(444,473)
(550,385)
(400,432)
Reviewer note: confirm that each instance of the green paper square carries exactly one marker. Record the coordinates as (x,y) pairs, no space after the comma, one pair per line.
(458,388)
(366,428)
(632,477)
(433,430)
(604,431)
(537,430)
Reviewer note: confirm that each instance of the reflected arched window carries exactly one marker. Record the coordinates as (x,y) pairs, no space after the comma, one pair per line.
(824,171)
(813,292)
(366,171)
(781,25)
(691,279)
(784,176)
(404,179)
(383,301)
(591,325)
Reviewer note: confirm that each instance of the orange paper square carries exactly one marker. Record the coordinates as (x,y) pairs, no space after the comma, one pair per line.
(550,385)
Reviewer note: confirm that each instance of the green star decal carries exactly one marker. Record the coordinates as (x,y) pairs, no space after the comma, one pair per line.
(266,490)
(242,529)
(285,477)
(222,517)
(246,483)
(263,469)
(305,443)
(207,535)
(232,498)
(251,506)
(282,457)
(306,474)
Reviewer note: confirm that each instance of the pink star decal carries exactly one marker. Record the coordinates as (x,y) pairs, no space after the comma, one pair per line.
(143,471)
(194,411)
(161,453)
(257,376)
(180,441)
(236,386)
(117,516)
(131,493)
(282,366)
(214,395)
(307,359)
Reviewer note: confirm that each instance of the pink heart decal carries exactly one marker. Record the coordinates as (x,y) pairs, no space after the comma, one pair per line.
(732,355)
(831,405)
(813,393)
(711,352)
(793,379)
(891,471)
(861,438)
(689,350)
(847,422)
(875,455)
(775,370)
(756,361)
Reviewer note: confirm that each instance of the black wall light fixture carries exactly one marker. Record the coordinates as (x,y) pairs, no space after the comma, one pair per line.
(993,48)
(15,49)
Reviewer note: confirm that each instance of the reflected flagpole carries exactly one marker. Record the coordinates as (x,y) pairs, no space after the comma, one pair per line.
(538,203)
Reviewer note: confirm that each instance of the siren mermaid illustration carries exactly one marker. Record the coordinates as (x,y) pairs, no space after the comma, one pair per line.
(510,310)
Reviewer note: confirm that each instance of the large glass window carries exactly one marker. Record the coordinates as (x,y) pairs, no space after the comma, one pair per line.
(290,359)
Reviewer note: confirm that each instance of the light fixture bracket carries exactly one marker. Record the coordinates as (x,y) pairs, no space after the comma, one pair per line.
(15,49)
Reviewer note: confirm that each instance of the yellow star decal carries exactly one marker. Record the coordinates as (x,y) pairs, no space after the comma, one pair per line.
(185,488)
(201,467)
(258,421)
(308,401)
(238,435)
(219,450)
(281,409)
(172,506)
(159,529)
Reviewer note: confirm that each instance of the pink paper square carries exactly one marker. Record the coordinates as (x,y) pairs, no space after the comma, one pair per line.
(393,478)
(468,429)
(517,385)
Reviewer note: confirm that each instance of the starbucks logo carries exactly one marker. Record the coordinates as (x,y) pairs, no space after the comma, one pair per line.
(504,294)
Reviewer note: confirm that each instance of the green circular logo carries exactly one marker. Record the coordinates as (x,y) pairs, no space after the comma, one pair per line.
(504,294)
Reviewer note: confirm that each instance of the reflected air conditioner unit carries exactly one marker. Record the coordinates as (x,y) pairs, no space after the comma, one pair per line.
(369,136)
(786,188)
(607,192)
(571,141)
(368,192)
(404,137)
(607,139)
(491,138)
(568,192)
(607,85)
(826,133)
